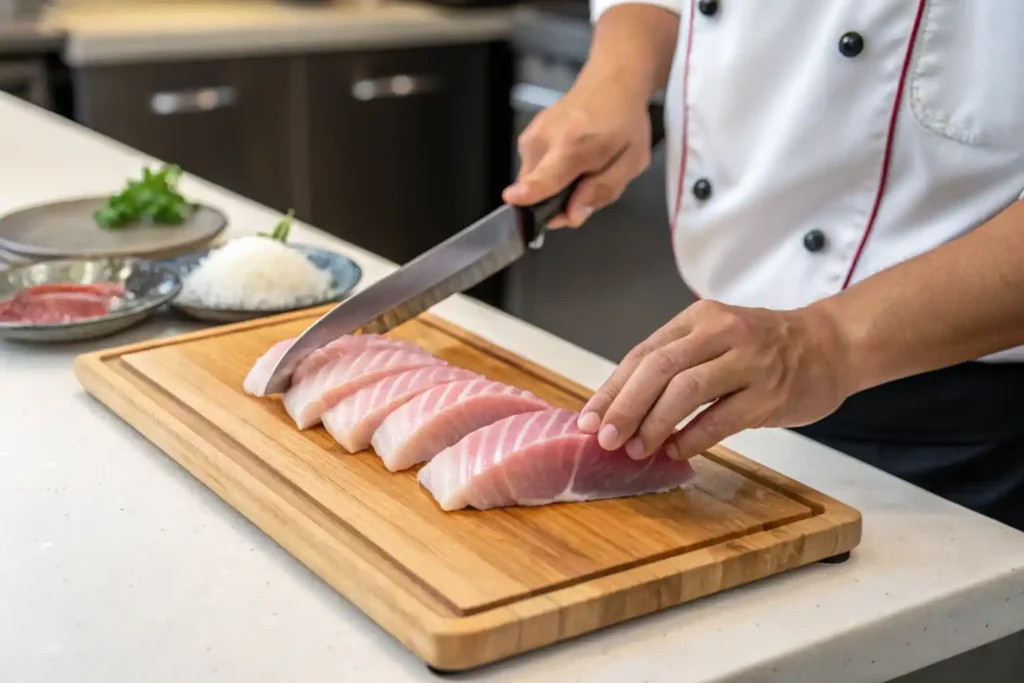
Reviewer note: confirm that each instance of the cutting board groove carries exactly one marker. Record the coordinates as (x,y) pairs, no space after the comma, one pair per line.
(465,588)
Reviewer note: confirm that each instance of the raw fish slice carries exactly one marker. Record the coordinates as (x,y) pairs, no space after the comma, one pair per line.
(55,303)
(439,417)
(259,373)
(348,345)
(354,419)
(342,346)
(540,458)
(313,395)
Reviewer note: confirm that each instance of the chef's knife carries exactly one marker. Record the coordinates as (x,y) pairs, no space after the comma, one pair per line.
(460,262)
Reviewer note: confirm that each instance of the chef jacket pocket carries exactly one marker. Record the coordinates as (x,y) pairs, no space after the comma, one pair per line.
(967,76)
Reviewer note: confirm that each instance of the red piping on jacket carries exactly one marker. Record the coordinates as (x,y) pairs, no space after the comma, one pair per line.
(684,143)
(888,143)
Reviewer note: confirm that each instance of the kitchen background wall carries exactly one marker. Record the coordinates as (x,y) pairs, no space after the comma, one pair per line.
(392,146)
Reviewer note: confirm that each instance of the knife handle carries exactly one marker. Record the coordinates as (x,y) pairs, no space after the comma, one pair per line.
(537,216)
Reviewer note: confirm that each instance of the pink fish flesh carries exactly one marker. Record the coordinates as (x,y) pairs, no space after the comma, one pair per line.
(259,373)
(439,417)
(307,400)
(353,420)
(540,458)
(348,345)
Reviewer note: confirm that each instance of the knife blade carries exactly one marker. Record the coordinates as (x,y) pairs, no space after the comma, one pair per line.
(463,260)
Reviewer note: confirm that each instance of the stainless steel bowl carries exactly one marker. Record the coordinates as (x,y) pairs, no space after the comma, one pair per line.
(147,285)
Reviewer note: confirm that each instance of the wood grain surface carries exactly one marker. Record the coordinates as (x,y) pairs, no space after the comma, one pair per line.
(465,588)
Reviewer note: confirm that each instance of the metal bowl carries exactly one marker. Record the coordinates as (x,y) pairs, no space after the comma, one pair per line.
(147,286)
(345,275)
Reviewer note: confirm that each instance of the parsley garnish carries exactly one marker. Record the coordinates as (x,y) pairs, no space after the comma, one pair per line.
(154,198)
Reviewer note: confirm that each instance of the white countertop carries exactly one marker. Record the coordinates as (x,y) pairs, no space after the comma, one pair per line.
(117,566)
(123,31)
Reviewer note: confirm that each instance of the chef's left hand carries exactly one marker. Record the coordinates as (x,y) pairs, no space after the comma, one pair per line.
(757,367)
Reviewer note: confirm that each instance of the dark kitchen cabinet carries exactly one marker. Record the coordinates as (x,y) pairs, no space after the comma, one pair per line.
(407,146)
(228,121)
(393,150)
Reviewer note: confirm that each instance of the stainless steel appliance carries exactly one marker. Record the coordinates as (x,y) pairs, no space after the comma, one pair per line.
(610,284)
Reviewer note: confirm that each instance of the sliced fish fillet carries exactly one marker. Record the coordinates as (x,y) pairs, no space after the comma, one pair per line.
(540,458)
(353,420)
(308,399)
(347,345)
(260,371)
(439,417)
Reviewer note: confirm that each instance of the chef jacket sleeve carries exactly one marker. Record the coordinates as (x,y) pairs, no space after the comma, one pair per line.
(599,7)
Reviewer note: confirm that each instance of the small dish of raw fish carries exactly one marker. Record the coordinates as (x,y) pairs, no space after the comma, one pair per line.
(260,275)
(73,300)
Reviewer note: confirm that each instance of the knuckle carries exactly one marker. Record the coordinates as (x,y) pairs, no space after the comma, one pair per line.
(688,384)
(625,414)
(709,430)
(662,362)
(577,127)
(602,191)
(614,191)
(638,353)
(706,307)
(689,442)
(655,430)
(600,400)
(529,137)
(603,146)
(639,158)
(723,320)
(716,424)
(736,327)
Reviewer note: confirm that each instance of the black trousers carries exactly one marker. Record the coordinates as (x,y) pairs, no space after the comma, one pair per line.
(957,432)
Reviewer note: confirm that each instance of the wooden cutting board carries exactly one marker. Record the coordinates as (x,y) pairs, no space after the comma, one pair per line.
(459,589)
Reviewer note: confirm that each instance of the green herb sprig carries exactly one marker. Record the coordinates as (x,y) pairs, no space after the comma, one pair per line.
(154,198)
(281,230)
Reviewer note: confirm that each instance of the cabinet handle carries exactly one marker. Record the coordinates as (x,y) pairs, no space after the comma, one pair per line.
(399,85)
(192,101)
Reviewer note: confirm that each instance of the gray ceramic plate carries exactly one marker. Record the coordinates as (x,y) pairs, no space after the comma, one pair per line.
(345,274)
(147,287)
(67,230)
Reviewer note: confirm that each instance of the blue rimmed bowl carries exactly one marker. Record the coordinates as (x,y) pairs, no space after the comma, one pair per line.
(345,275)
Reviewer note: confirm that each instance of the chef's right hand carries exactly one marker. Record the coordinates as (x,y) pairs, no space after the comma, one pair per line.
(599,130)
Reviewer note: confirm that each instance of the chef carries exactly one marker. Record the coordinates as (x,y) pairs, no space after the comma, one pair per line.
(844,191)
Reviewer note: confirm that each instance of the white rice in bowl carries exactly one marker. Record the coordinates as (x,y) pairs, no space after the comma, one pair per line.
(254,273)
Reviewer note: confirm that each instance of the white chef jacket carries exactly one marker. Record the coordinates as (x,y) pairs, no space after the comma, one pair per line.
(812,144)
